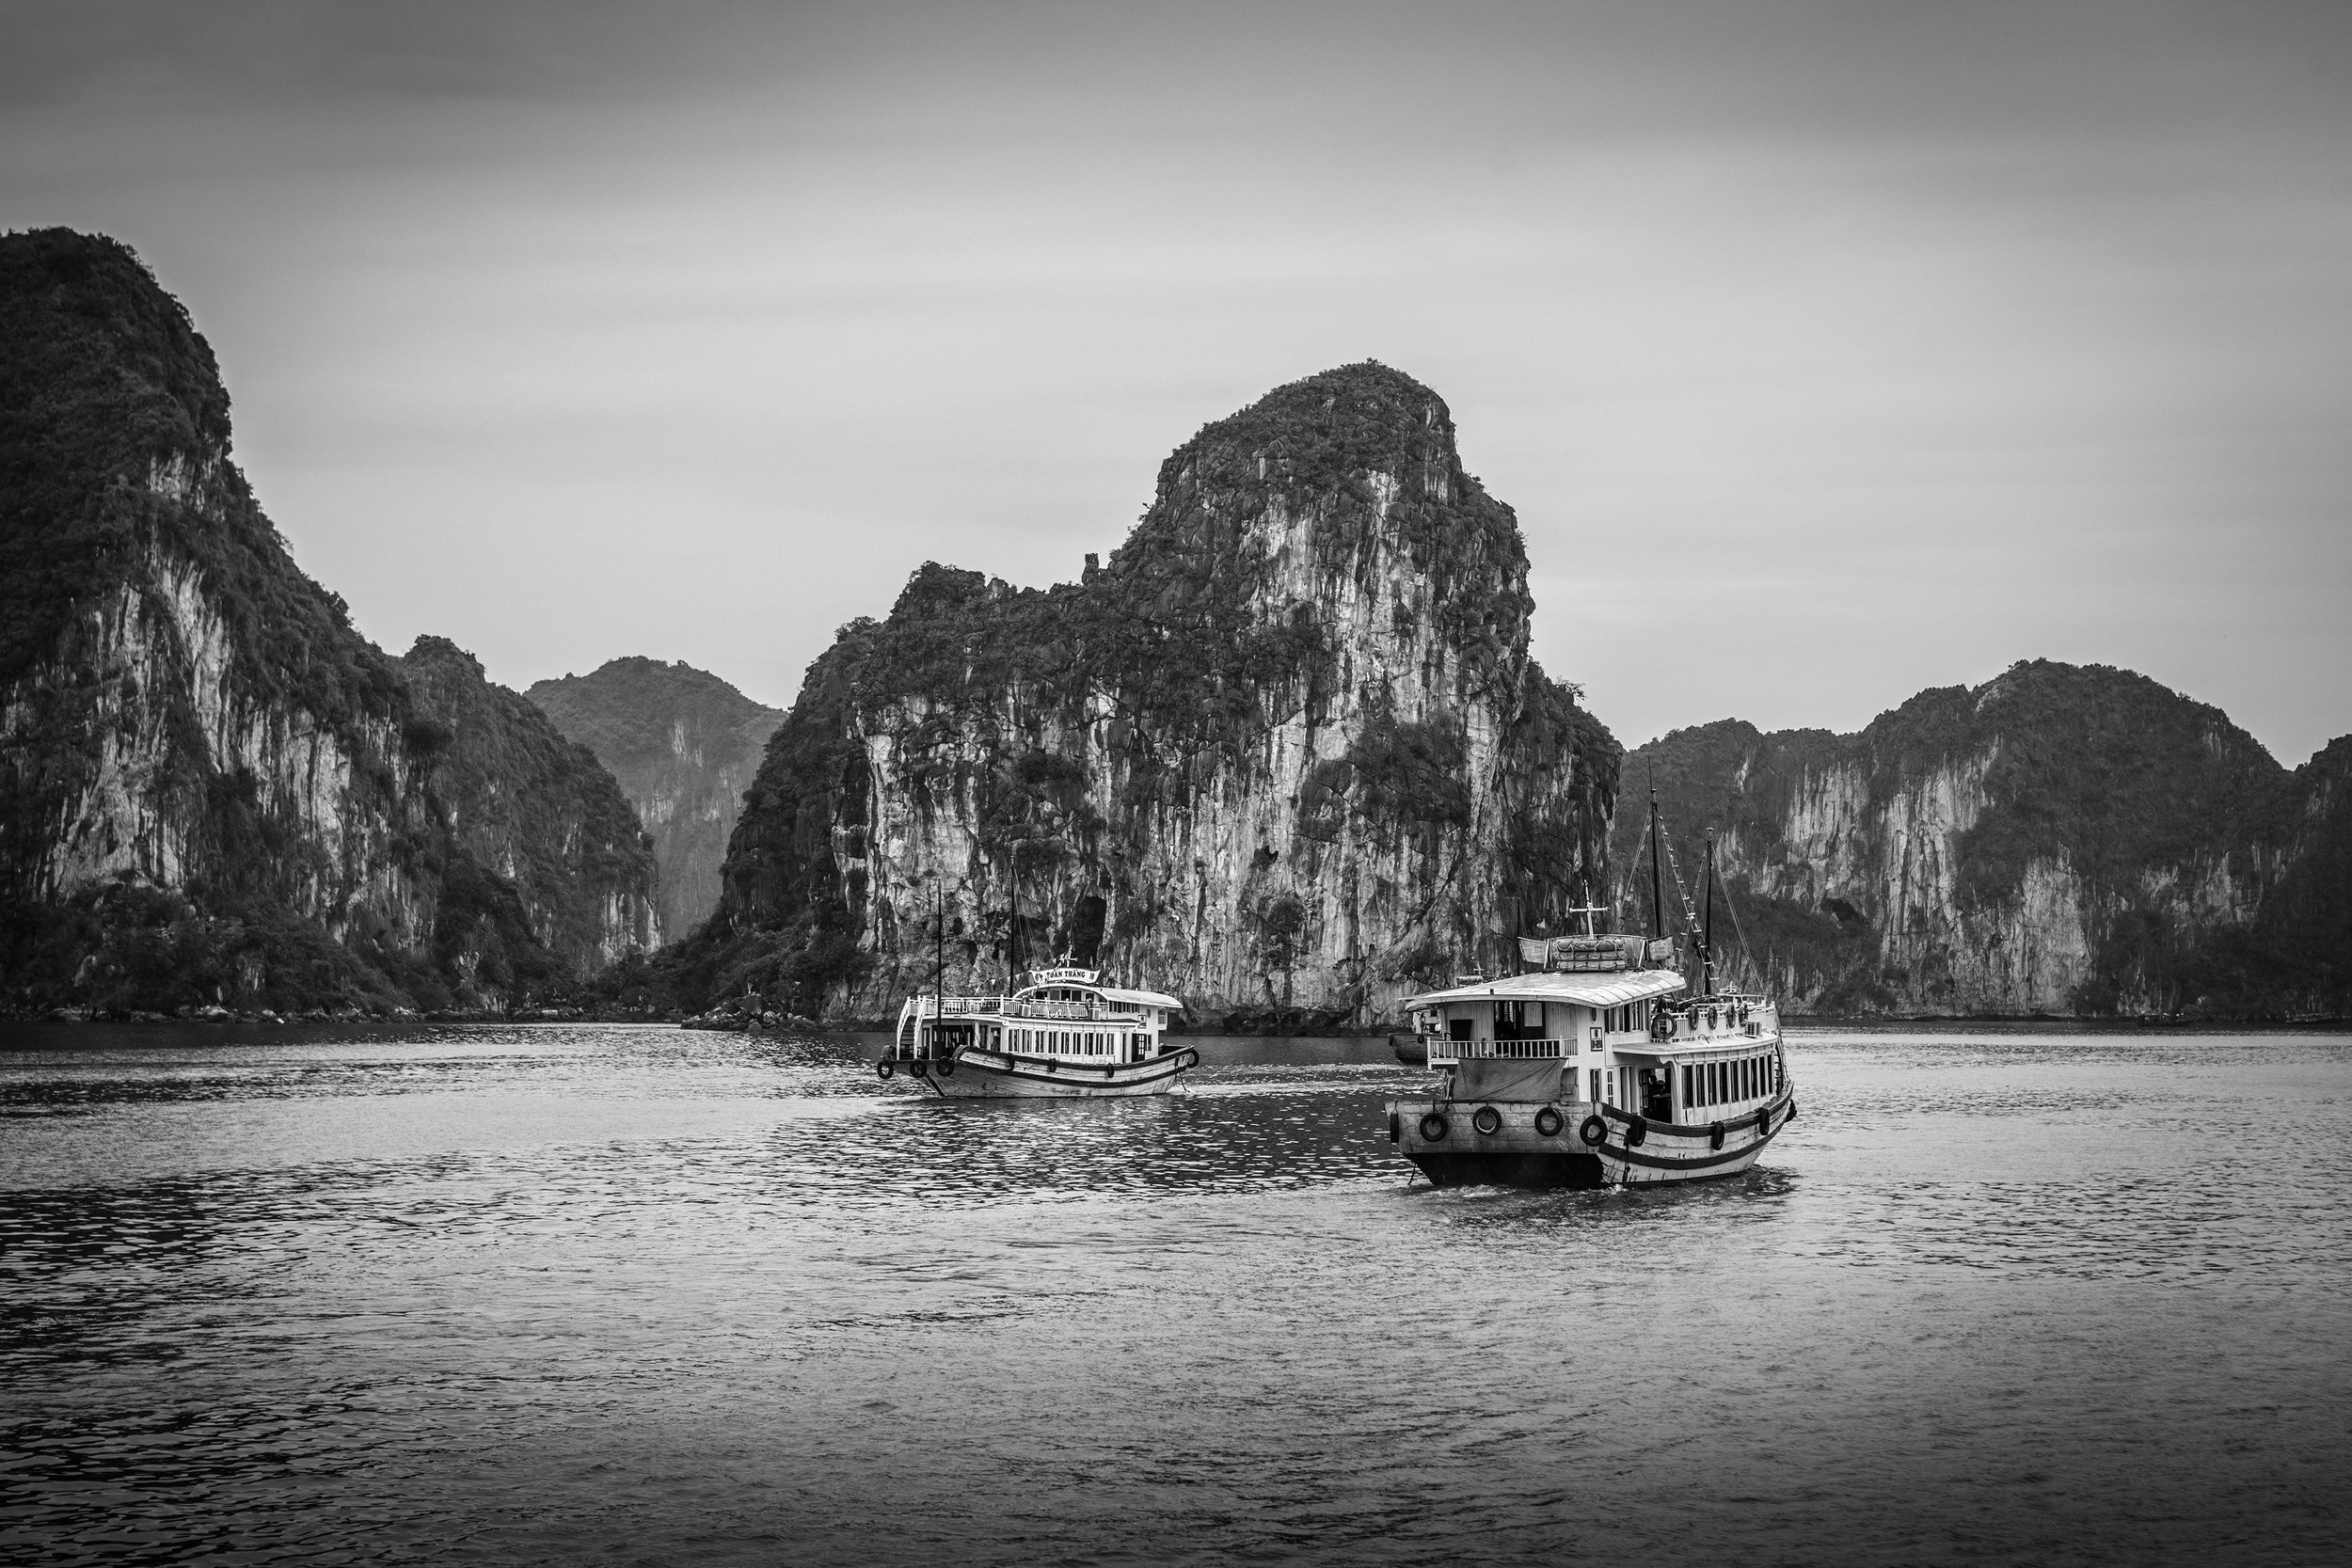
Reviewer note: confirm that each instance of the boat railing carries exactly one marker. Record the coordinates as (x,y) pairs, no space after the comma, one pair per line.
(931,1006)
(1447,1052)
(1005,1007)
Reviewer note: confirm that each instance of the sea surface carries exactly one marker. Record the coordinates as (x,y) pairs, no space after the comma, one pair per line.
(591,1293)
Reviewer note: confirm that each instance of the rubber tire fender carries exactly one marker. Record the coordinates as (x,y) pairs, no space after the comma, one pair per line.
(920,1067)
(1396,1129)
(1434,1128)
(947,1066)
(1593,1131)
(1548,1122)
(1764,1122)
(1636,1132)
(1486,1122)
(1715,1134)
(883,1071)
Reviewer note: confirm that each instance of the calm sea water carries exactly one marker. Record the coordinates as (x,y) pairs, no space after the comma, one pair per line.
(633,1295)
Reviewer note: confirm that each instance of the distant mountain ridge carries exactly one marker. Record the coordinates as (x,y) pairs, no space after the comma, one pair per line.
(2064,840)
(684,745)
(215,791)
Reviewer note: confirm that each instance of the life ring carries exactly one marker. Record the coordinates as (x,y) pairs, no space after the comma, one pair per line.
(1487,1120)
(882,1069)
(1548,1122)
(1434,1128)
(1715,1135)
(1395,1129)
(1594,1131)
(1636,1132)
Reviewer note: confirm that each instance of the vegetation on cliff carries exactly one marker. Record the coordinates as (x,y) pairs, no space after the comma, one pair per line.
(1075,733)
(210,785)
(537,808)
(2193,885)
(684,746)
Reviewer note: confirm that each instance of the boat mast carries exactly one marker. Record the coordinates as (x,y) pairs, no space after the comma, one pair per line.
(1012,941)
(1707,931)
(1657,871)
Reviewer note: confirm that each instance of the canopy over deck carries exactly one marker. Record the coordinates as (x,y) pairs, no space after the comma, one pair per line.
(1142,998)
(1583,991)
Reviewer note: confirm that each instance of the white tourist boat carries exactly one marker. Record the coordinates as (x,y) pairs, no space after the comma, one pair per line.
(1596,1066)
(1064,1035)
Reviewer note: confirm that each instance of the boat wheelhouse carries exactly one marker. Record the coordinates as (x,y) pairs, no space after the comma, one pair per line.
(1064,1035)
(1594,1066)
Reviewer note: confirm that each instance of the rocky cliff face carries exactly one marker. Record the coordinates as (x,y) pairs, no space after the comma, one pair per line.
(1285,753)
(534,808)
(2060,840)
(684,745)
(212,788)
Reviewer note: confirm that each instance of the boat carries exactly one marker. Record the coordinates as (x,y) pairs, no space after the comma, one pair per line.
(1597,1065)
(1064,1035)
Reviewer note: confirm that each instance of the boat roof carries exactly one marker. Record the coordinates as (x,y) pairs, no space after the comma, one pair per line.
(1112,993)
(1603,989)
(1142,998)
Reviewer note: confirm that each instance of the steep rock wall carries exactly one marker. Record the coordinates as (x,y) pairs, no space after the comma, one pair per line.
(1285,753)
(212,787)
(2061,840)
(538,810)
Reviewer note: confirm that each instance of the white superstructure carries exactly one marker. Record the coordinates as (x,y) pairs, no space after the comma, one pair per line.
(1063,1036)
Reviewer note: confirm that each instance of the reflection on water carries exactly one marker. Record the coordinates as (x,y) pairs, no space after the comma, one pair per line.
(557,1293)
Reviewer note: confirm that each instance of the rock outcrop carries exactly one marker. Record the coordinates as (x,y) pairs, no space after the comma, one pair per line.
(212,789)
(684,745)
(1285,754)
(535,808)
(2060,840)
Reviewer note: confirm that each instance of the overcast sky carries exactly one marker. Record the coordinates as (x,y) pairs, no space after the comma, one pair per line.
(1877,345)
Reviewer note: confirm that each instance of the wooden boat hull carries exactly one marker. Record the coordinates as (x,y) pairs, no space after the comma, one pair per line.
(996,1076)
(1519,1153)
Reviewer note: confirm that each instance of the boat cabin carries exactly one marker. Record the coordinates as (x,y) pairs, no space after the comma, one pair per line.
(1617,1035)
(1062,1015)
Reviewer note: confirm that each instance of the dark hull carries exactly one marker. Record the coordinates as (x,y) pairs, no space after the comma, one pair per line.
(1510,1170)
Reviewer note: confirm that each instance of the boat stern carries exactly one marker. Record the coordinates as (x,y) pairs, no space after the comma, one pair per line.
(1487,1143)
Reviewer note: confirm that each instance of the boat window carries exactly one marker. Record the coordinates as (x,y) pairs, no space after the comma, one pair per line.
(1596,1086)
